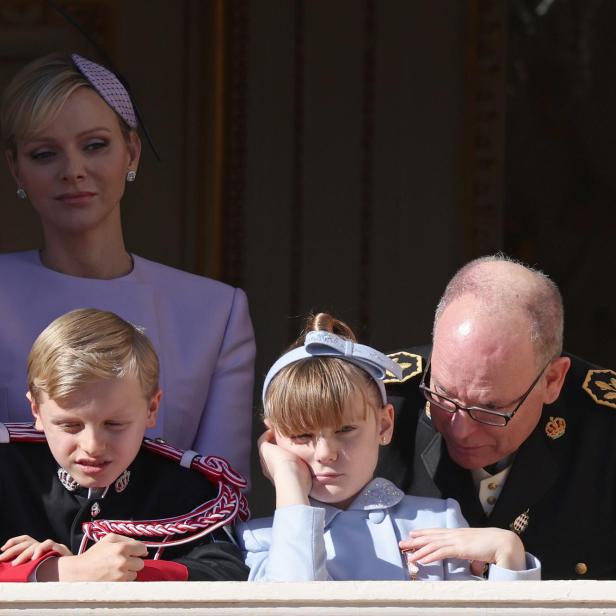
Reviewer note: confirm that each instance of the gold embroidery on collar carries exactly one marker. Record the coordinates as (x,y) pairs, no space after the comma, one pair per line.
(411,365)
(600,385)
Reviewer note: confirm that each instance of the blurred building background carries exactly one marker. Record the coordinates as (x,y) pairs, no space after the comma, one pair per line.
(350,155)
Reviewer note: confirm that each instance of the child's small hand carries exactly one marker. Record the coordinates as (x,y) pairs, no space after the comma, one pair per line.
(20,549)
(491,545)
(113,559)
(289,474)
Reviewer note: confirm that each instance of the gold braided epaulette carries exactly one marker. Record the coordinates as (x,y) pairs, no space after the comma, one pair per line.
(600,385)
(411,365)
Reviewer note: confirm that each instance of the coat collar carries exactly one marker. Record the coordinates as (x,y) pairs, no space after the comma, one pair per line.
(378,494)
(533,473)
(71,485)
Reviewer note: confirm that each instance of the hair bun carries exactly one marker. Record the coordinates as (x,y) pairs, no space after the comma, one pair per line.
(324,321)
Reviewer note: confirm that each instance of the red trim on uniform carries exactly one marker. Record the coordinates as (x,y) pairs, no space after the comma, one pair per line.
(22,573)
(162,571)
(219,511)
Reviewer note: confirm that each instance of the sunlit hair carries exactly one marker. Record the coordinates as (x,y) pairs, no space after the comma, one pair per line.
(309,395)
(35,96)
(87,346)
(505,289)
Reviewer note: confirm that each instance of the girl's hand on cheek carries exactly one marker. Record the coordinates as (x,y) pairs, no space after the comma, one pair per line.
(289,473)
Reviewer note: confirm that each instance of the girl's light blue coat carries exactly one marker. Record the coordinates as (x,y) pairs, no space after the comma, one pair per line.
(321,542)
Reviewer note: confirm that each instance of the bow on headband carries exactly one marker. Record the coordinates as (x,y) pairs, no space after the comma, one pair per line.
(325,344)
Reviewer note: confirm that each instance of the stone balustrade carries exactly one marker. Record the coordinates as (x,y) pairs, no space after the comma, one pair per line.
(563,598)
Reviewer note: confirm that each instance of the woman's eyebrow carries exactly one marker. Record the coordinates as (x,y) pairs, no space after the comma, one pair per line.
(45,138)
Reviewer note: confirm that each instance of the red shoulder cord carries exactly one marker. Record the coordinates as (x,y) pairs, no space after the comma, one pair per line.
(223,509)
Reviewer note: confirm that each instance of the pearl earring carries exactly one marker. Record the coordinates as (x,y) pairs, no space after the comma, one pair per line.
(131,175)
(21,193)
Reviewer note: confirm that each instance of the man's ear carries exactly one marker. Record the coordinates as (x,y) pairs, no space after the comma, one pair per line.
(555,377)
(153,409)
(36,413)
(386,424)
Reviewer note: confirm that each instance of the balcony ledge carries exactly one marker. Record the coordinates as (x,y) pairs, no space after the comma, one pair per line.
(195,598)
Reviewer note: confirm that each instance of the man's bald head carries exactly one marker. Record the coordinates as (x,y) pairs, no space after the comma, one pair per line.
(510,292)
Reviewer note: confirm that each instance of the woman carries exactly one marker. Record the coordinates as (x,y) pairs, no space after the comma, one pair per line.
(71,141)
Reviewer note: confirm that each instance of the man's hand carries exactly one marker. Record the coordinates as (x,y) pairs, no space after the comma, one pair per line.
(113,559)
(21,549)
(489,545)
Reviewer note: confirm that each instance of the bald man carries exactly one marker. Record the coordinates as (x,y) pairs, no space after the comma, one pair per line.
(495,416)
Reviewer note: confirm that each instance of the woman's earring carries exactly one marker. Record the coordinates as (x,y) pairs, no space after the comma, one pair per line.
(131,175)
(21,193)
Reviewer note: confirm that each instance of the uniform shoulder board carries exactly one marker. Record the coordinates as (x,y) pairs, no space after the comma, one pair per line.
(411,364)
(600,385)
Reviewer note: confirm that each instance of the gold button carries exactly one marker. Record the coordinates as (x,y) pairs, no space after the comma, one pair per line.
(491,500)
(581,568)
(492,486)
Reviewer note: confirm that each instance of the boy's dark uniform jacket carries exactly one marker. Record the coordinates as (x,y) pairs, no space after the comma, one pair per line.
(36,503)
(561,490)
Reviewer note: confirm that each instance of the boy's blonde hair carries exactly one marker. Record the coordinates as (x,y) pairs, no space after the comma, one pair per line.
(89,345)
(35,96)
(310,394)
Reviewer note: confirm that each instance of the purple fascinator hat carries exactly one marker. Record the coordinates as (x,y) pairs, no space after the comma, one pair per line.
(109,87)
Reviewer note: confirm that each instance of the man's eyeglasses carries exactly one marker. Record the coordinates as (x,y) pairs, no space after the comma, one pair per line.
(491,417)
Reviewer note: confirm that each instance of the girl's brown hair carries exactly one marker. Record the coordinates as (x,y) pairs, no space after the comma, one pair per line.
(311,394)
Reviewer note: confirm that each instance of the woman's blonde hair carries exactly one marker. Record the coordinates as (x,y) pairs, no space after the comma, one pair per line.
(86,346)
(35,96)
(311,393)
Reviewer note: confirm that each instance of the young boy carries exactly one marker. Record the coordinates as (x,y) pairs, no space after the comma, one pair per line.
(93,389)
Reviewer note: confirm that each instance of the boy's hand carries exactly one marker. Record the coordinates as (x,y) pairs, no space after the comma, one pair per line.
(289,474)
(20,549)
(491,545)
(113,559)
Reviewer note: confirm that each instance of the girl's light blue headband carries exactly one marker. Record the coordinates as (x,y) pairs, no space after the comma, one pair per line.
(325,344)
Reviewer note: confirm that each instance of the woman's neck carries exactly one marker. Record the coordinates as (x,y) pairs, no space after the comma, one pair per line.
(87,257)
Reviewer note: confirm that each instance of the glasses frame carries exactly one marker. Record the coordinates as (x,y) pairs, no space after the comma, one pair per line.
(470,410)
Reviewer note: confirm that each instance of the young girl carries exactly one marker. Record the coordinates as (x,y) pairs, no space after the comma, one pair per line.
(327,414)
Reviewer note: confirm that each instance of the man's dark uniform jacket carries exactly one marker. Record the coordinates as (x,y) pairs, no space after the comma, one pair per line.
(35,502)
(561,490)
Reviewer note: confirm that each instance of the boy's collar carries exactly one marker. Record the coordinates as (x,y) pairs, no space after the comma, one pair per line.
(67,480)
